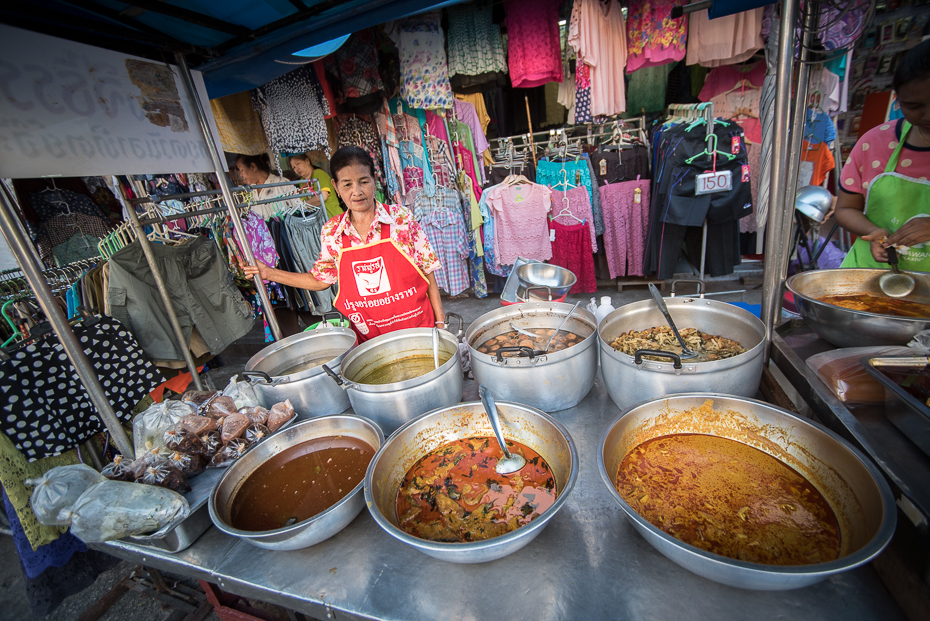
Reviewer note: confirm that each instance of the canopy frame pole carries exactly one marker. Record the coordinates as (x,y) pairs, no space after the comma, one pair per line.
(211,148)
(778,228)
(82,365)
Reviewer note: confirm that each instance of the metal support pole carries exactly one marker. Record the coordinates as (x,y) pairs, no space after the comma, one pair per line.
(183,344)
(227,189)
(82,366)
(777,233)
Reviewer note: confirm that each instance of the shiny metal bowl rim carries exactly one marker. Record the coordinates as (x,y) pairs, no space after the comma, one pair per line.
(261,534)
(850,561)
(472,546)
(529,267)
(807,298)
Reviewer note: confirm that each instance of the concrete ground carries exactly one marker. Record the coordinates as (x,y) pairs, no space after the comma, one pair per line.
(135,607)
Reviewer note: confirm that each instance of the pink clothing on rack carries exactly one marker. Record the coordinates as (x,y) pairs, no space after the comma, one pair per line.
(600,39)
(724,41)
(742,106)
(653,37)
(467,114)
(722,79)
(436,125)
(413,178)
(464,160)
(577,202)
(521,226)
(570,250)
(626,224)
(534,53)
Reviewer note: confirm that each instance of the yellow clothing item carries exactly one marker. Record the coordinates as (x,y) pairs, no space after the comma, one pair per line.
(238,124)
(477,100)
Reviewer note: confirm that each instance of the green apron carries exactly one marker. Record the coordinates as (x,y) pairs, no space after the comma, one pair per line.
(891,200)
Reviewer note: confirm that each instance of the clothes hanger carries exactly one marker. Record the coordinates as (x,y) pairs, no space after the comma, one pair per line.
(711,150)
(566,206)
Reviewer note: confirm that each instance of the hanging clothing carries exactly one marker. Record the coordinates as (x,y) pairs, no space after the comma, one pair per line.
(647,89)
(358,132)
(47,410)
(293,112)
(570,250)
(816,163)
(521,226)
(626,222)
(818,127)
(441,218)
(238,125)
(582,93)
(621,165)
(534,53)
(599,39)
(754,153)
(726,40)
(468,115)
(423,61)
(574,207)
(722,79)
(578,173)
(304,230)
(481,110)
(267,210)
(653,37)
(354,70)
(476,51)
(741,106)
(841,25)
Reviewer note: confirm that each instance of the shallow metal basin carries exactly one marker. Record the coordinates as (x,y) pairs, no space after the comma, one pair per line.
(855,489)
(417,438)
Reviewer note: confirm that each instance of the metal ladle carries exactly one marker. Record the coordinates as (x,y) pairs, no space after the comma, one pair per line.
(436,347)
(561,324)
(511,462)
(895,284)
(686,352)
(522,331)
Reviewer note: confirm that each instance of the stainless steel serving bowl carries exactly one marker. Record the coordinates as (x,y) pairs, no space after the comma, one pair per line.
(539,278)
(419,437)
(317,528)
(845,327)
(860,497)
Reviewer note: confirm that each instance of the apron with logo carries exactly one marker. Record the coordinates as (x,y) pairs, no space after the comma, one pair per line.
(380,288)
(891,200)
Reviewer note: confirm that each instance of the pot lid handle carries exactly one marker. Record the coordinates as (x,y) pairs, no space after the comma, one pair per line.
(249,375)
(638,357)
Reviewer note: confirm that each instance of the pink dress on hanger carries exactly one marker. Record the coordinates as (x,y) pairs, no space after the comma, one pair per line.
(724,41)
(521,226)
(578,203)
(626,224)
(570,250)
(534,52)
(599,37)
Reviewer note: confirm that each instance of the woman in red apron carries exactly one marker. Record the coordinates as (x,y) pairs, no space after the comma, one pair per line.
(378,255)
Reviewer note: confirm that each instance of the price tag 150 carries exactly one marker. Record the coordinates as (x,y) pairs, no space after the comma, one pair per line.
(711,182)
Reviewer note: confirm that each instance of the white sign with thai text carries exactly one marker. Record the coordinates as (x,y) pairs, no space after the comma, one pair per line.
(75,110)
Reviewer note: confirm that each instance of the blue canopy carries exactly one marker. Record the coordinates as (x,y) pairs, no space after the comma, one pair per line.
(237,44)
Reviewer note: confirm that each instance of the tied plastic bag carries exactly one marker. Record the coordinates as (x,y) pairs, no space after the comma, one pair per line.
(279,415)
(242,393)
(58,490)
(921,342)
(116,509)
(842,371)
(149,427)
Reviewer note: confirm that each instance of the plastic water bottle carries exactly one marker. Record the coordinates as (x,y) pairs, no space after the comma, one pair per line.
(604,309)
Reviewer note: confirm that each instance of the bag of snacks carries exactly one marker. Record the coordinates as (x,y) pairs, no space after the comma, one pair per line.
(221,407)
(242,393)
(279,415)
(58,489)
(149,427)
(258,414)
(234,426)
(118,470)
(116,509)
(199,399)
(842,371)
(198,425)
(229,453)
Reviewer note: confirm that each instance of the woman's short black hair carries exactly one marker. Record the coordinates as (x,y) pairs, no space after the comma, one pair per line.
(299,156)
(349,156)
(915,65)
(261,161)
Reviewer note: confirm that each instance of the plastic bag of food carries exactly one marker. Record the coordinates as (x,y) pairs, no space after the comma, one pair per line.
(163,473)
(199,399)
(258,415)
(279,415)
(116,509)
(58,490)
(221,407)
(234,426)
(228,454)
(149,427)
(199,425)
(181,439)
(242,393)
(842,371)
(118,470)
(211,443)
(189,465)
(256,433)
(138,466)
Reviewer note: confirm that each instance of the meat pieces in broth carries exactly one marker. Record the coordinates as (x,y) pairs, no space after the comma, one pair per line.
(562,340)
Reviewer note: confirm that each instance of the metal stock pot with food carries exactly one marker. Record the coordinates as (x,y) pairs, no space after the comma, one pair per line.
(648,374)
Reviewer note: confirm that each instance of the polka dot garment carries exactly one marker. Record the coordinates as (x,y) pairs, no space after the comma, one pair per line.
(872,152)
(46,410)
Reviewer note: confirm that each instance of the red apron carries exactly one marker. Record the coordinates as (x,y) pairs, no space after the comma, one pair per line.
(380,289)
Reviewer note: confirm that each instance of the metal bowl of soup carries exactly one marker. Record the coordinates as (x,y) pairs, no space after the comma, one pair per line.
(283,463)
(418,438)
(860,499)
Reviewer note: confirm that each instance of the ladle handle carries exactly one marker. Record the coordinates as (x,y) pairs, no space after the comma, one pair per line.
(549,342)
(657,297)
(893,259)
(491,408)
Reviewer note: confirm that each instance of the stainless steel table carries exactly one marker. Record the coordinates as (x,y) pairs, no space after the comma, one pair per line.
(589,563)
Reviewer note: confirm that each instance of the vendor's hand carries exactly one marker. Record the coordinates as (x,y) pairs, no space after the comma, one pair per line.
(875,238)
(259,268)
(914,231)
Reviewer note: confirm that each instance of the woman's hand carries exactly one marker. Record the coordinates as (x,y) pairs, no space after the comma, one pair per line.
(875,239)
(259,269)
(914,231)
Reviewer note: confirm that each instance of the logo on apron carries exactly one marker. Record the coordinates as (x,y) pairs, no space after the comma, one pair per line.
(370,276)
(359,322)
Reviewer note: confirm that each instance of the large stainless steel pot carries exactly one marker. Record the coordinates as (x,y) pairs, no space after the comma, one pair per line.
(310,531)
(392,405)
(417,438)
(845,327)
(855,489)
(311,392)
(551,381)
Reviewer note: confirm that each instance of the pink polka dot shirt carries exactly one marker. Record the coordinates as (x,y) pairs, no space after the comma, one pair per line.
(871,154)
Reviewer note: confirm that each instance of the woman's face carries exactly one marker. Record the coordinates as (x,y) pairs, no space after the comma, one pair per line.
(302,167)
(914,98)
(250,174)
(356,186)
